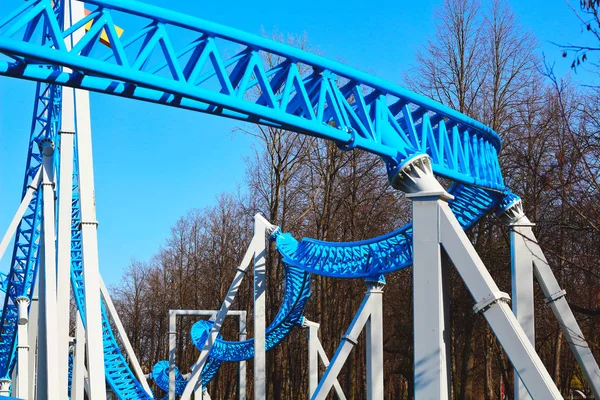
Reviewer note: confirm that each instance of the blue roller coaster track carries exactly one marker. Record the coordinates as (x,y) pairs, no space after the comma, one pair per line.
(302,92)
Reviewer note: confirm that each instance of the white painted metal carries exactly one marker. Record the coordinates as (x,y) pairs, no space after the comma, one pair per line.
(133,361)
(48,375)
(242,365)
(313,356)
(555,297)
(193,382)
(325,360)
(316,352)
(89,238)
(5,386)
(522,296)
(374,333)
(65,189)
(349,340)
(259,241)
(172,349)
(213,314)
(31,189)
(431,379)
(77,384)
(22,391)
(493,304)
(63,285)
(32,335)
(434,225)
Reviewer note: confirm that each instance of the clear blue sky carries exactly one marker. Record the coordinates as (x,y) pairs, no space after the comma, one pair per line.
(154,163)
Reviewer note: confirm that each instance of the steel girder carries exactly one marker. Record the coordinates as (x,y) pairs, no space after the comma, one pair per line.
(300,92)
(117,371)
(24,262)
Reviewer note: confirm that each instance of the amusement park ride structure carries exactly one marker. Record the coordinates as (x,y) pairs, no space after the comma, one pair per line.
(69,52)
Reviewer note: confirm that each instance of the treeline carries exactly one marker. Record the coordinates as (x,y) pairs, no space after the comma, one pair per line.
(481,62)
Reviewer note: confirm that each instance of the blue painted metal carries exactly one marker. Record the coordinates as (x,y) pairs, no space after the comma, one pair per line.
(118,374)
(160,372)
(384,254)
(24,261)
(289,315)
(331,101)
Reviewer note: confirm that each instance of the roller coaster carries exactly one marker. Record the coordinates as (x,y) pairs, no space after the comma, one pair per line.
(70,51)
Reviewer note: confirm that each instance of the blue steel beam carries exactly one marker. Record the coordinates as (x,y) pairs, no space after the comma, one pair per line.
(117,371)
(330,101)
(23,269)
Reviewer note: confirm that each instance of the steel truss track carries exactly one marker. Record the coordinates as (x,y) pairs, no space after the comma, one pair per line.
(300,92)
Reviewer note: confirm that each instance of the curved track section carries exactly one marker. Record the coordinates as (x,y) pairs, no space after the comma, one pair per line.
(384,254)
(160,372)
(296,294)
(302,92)
(330,101)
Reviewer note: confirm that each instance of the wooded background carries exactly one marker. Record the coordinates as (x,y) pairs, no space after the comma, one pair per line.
(481,62)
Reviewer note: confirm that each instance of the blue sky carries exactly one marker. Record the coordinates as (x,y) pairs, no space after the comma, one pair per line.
(154,163)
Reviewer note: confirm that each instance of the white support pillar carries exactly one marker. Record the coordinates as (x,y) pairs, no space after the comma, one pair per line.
(374,333)
(65,189)
(63,285)
(528,251)
(48,371)
(522,284)
(33,341)
(5,386)
(89,239)
(262,228)
(79,372)
(22,391)
(313,356)
(316,352)
(431,376)
(349,340)
(14,223)
(172,351)
(416,178)
(242,364)
(259,241)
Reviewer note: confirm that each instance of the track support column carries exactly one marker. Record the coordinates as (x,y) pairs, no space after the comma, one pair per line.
(522,284)
(260,256)
(526,250)
(369,314)
(89,239)
(316,352)
(48,366)
(22,349)
(33,341)
(374,336)
(242,364)
(431,375)
(78,382)
(5,386)
(416,177)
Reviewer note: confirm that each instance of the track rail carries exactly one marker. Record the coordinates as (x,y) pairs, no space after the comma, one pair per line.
(185,62)
(299,91)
